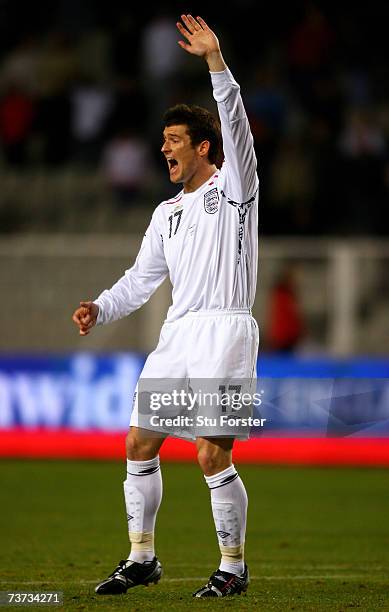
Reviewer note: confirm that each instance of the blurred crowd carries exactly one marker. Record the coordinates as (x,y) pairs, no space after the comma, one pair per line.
(85,85)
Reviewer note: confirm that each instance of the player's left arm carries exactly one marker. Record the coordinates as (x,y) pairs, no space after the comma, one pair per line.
(238,144)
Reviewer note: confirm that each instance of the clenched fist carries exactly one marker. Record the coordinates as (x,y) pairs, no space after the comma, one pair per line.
(85,317)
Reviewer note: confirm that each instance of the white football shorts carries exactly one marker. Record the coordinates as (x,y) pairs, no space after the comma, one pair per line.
(202,349)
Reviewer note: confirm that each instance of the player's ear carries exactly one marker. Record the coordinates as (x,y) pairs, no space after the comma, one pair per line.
(203,148)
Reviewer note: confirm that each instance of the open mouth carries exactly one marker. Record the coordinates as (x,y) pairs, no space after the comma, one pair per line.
(173,163)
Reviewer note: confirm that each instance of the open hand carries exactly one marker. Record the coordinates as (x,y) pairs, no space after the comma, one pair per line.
(85,317)
(201,40)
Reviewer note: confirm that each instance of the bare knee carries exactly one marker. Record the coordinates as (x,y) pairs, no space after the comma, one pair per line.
(213,459)
(140,448)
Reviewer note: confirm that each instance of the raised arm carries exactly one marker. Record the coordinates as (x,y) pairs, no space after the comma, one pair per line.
(238,142)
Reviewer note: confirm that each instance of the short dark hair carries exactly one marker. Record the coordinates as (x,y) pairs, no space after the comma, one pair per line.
(201,124)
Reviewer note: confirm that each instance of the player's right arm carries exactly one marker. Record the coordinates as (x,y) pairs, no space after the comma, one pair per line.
(133,289)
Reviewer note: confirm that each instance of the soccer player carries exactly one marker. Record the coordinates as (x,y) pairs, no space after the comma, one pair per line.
(205,238)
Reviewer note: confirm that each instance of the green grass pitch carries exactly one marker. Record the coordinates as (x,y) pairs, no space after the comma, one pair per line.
(318,539)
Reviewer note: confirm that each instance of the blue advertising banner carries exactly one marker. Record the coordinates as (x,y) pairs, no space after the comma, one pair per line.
(81,391)
(85,391)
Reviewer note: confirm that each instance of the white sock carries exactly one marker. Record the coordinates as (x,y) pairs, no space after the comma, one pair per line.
(143,494)
(229,509)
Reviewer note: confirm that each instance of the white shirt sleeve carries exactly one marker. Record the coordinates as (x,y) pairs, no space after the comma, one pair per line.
(238,143)
(139,282)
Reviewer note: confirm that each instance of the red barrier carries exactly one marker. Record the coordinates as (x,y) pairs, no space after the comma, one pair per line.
(66,444)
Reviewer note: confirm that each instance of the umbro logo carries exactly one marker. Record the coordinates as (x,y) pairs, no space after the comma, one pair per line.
(129,517)
(223,534)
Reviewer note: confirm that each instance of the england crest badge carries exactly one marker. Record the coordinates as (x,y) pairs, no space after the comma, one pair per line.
(211,201)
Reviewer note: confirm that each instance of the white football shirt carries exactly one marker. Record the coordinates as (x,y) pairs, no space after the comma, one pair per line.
(206,240)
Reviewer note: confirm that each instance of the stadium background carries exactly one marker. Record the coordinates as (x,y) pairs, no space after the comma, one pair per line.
(82,90)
